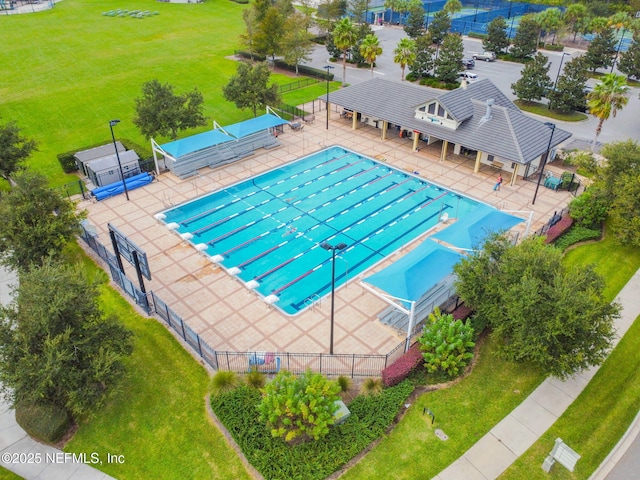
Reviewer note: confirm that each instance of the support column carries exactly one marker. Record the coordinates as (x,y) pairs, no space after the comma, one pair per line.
(354,121)
(512,182)
(416,139)
(385,126)
(443,152)
(476,167)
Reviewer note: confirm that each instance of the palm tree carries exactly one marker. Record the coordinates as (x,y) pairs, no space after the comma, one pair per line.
(452,7)
(608,96)
(405,53)
(370,49)
(344,37)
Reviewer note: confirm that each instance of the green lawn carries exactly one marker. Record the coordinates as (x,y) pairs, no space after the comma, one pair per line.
(542,109)
(69,70)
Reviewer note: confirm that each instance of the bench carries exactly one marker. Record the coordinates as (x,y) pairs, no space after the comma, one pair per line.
(563,454)
(497,165)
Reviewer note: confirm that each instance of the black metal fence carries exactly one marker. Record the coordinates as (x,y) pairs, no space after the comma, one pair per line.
(303,82)
(555,218)
(352,365)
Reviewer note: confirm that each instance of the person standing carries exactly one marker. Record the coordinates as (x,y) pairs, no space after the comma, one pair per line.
(497,185)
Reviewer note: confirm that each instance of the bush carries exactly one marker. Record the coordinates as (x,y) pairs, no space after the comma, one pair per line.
(255,379)
(299,407)
(403,366)
(446,344)
(371,386)
(476,35)
(305,70)
(224,381)
(255,56)
(584,161)
(559,229)
(575,235)
(590,208)
(435,83)
(553,48)
(46,422)
(344,383)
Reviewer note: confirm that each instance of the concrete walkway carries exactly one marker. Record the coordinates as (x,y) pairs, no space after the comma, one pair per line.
(519,430)
(24,456)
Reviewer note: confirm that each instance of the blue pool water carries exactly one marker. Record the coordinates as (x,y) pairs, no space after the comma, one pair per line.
(268,229)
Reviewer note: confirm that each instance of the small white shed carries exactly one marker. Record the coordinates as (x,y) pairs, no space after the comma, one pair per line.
(104,171)
(85,156)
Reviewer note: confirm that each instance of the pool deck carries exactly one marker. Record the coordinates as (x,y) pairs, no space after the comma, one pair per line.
(227,315)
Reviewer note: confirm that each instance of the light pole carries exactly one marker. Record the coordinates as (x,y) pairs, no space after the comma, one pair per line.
(328,67)
(552,126)
(613,64)
(555,84)
(328,247)
(113,123)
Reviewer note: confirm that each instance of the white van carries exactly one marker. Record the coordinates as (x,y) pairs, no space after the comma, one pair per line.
(468,76)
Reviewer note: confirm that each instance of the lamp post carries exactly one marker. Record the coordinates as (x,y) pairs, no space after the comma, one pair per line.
(552,126)
(555,84)
(327,68)
(113,123)
(332,249)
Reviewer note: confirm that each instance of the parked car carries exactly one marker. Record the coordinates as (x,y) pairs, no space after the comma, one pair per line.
(468,76)
(486,56)
(468,63)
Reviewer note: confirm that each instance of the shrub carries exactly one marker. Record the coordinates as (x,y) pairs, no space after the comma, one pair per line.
(584,161)
(553,48)
(46,422)
(575,235)
(344,383)
(224,381)
(559,229)
(590,208)
(403,366)
(299,407)
(305,70)
(446,344)
(255,56)
(255,379)
(371,386)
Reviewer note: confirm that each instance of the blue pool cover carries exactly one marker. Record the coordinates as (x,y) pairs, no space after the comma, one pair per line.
(116,188)
(415,273)
(470,231)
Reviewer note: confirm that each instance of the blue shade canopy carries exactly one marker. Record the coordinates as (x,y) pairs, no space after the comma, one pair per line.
(184,146)
(414,274)
(258,124)
(471,231)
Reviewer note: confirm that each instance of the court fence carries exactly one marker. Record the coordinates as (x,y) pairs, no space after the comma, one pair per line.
(351,365)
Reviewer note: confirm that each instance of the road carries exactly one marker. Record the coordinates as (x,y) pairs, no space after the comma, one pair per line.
(622,127)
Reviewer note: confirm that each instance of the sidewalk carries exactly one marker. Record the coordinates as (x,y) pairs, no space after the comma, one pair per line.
(24,456)
(510,438)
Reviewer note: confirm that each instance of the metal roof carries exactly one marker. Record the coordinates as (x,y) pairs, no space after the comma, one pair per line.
(99,152)
(507,133)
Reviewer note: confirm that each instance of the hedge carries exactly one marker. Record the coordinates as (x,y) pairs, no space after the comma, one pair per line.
(559,229)
(403,366)
(575,235)
(305,70)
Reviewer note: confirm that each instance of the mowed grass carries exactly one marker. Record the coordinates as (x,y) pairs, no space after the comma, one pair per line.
(158,420)
(69,70)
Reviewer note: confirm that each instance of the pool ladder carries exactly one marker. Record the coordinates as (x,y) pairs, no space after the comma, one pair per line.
(313,300)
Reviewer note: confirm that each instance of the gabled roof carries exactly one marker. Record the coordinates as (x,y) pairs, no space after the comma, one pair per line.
(99,152)
(111,161)
(508,133)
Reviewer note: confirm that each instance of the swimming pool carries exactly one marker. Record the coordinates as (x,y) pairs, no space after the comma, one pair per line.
(267,230)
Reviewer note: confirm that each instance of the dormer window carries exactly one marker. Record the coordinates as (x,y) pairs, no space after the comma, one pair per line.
(432,108)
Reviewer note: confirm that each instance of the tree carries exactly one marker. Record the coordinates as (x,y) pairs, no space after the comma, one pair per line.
(620,179)
(549,21)
(525,40)
(331,12)
(439,26)
(344,37)
(601,50)
(370,49)
(359,9)
(574,17)
(496,39)
(446,344)
(391,5)
(36,222)
(268,38)
(249,88)
(569,92)
(296,42)
(361,30)
(299,407)
(251,23)
(405,53)
(56,345)
(545,313)
(423,63)
(452,7)
(414,26)
(449,62)
(14,149)
(630,60)
(534,82)
(608,96)
(160,112)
